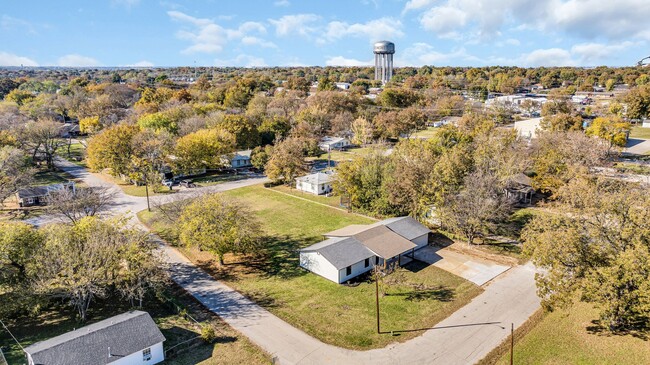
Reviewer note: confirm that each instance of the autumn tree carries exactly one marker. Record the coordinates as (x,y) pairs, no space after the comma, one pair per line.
(112,148)
(15,171)
(287,161)
(219,225)
(85,261)
(89,125)
(44,138)
(593,246)
(614,130)
(204,148)
(83,202)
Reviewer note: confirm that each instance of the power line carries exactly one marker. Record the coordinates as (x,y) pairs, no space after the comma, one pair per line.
(12,335)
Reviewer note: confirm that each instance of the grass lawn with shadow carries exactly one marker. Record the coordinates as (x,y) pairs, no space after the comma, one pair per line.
(571,336)
(416,296)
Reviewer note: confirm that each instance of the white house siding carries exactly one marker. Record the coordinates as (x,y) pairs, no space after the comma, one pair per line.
(421,241)
(157,355)
(315,189)
(316,263)
(357,269)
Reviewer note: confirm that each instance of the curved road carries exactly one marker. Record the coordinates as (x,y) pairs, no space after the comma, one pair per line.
(465,337)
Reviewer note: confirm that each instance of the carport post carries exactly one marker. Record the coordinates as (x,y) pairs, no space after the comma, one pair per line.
(377,297)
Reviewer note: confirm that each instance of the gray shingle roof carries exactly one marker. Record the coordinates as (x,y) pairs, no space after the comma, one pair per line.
(406,227)
(384,242)
(341,251)
(125,334)
(316,178)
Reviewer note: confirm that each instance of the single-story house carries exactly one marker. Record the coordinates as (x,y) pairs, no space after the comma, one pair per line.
(646,123)
(343,85)
(241,159)
(126,339)
(356,249)
(333,143)
(520,190)
(318,183)
(37,195)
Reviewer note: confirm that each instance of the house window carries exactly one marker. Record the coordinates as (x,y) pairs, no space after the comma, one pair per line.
(367,263)
(146,354)
(376,260)
(348,271)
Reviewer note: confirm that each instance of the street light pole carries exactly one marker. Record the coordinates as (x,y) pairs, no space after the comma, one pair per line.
(377,298)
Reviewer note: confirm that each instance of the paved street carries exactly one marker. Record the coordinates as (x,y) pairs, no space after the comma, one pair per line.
(463,338)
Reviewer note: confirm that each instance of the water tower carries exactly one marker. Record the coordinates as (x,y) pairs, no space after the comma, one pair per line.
(384,52)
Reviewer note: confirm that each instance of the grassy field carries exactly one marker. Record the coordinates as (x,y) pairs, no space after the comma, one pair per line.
(336,314)
(132,189)
(229,348)
(640,132)
(570,337)
(49,177)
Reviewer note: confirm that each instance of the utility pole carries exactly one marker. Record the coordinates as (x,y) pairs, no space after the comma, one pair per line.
(377,297)
(512,343)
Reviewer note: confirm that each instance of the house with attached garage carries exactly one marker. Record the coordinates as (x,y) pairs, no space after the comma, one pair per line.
(318,183)
(127,339)
(333,143)
(356,249)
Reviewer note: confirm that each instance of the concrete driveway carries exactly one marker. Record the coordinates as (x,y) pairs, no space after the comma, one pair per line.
(637,146)
(478,271)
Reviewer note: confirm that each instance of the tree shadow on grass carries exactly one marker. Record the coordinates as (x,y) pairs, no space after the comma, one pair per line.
(440,294)
(279,257)
(599,328)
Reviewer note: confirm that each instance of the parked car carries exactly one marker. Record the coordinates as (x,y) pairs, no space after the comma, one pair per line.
(188,184)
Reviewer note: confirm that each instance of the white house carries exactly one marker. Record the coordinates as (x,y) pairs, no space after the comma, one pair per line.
(241,159)
(343,85)
(130,338)
(333,143)
(353,250)
(318,183)
(646,123)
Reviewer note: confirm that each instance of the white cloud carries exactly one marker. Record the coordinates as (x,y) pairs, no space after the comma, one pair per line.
(587,19)
(9,59)
(445,21)
(10,23)
(75,60)
(416,4)
(141,64)
(301,24)
(374,30)
(420,54)
(242,60)
(348,62)
(206,36)
(547,57)
(283,3)
(594,52)
(127,3)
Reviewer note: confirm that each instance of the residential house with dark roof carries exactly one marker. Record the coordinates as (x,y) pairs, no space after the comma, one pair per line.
(356,249)
(37,195)
(127,339)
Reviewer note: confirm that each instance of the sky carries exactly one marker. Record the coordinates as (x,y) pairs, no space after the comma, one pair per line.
(256,33)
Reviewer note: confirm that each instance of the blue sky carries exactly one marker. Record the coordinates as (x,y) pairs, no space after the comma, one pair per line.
(333,32)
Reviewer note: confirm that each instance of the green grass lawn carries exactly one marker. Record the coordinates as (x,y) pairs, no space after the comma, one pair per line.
(133,190)
(567,337)
(640,132)
(216,178)
(49,177)
(77,153)
(633,168)
(229,348)
(334,201)
(336,314)
(425,133)
(349,154)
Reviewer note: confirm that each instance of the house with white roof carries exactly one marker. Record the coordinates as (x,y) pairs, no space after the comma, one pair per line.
(130,338)
(333,143)
(353,250)
(318,183)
